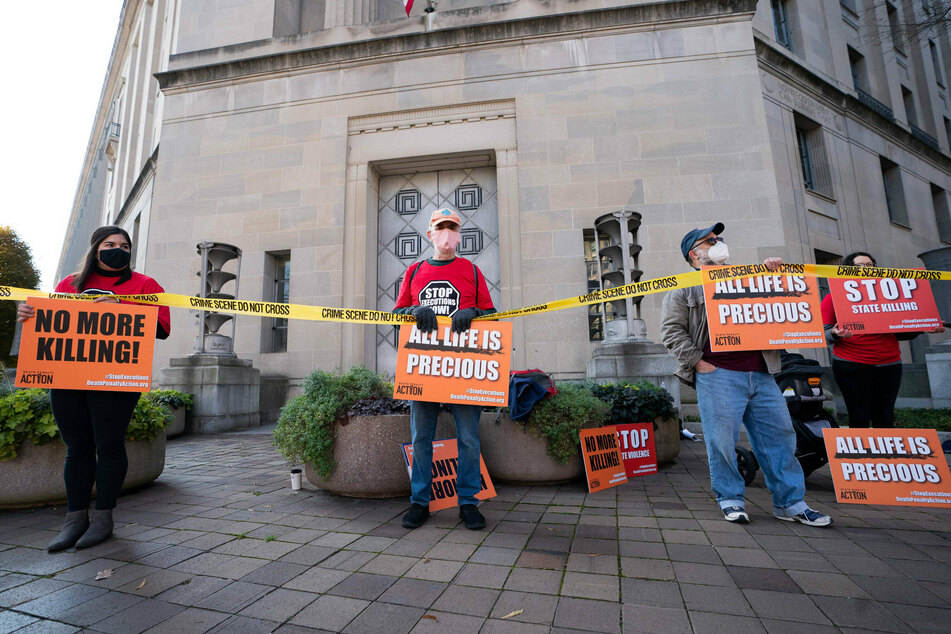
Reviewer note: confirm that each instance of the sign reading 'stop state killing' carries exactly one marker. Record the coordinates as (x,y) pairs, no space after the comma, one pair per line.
(750,307)
(867,306)
(80,345)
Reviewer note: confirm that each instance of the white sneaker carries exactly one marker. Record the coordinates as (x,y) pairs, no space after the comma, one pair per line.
(808,517)
(735,514)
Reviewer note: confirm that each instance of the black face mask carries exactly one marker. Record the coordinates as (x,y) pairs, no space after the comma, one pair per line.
(115,258)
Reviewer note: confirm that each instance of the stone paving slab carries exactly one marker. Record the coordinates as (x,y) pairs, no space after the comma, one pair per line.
(219,543)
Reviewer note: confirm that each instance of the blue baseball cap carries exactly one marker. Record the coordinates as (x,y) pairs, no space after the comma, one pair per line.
(692,236)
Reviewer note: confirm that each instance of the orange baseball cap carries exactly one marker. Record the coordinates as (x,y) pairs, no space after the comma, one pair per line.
(443,215)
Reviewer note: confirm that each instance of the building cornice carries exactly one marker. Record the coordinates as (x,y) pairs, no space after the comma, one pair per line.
(655,15)
(789,70)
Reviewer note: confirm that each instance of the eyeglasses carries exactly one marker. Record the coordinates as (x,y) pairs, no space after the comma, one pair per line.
(710,241)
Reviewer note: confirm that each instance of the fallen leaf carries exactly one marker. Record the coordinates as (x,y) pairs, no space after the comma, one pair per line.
(255,484)
(511,614)
(132,524)
(268,506)
(141,585)
(430,616)
(104,574)
(427,561)
(595,554)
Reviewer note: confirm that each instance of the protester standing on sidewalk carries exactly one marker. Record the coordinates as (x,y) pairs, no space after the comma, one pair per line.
(447,286)
(93,423)
(867,368)
(734,389)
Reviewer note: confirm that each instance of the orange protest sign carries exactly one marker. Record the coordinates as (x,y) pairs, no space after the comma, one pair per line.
(445,462)
(87,346)
(750,307)
(884,305)
(901,467)
(470,368)
(637,448)
(602,458)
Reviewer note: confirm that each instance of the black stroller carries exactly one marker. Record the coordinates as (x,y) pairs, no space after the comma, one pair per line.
(800,380)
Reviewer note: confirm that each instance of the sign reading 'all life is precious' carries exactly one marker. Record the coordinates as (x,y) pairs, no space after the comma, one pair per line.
(750,307)
(902,467)
(469,368)
(75,345)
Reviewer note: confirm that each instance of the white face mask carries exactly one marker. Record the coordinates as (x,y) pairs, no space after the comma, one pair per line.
(718,253)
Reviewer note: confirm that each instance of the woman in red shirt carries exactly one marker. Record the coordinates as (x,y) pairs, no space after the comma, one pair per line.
(93,423)
(867,368)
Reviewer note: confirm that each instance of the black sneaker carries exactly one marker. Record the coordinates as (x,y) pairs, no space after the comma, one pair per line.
(415,516)
(471,517)
(808,517)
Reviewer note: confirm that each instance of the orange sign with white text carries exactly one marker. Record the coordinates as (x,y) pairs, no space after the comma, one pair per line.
(601,453)
(470,368)
(750,307)
(445,463)
(75,345)
(901,467)
(867,306)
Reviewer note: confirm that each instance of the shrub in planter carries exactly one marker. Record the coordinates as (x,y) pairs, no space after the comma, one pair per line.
(635,403)
(305,429)
(178,403)
(560,418)
(25,415)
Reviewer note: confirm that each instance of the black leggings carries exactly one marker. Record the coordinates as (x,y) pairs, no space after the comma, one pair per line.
(93,424)
(869,391)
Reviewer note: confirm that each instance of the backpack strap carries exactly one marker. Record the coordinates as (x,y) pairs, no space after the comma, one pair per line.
(411,276)
(475,274)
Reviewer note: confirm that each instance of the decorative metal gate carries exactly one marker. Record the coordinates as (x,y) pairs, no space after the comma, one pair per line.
(406,202)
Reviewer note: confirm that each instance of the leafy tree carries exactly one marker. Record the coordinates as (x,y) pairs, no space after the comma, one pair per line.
(16,269)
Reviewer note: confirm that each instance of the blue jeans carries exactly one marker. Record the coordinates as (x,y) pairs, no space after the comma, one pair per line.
(729,399)
(423,417)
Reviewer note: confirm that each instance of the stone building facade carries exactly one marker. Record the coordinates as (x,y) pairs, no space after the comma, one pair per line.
(314,135)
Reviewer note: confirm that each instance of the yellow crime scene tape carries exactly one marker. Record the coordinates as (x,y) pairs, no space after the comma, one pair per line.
(366,316)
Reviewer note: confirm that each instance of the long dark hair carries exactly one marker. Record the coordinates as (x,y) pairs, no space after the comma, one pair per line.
(849,260)
(91,262)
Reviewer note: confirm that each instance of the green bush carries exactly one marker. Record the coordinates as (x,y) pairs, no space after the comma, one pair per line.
(910,418)
(640,402)
(305,430)
(27,415)
(173,399)
(559,419)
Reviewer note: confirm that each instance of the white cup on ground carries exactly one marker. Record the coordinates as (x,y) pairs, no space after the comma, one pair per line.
(296,479)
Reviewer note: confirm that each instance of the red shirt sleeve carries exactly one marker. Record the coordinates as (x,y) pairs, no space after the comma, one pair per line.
(406,296)
(828,310)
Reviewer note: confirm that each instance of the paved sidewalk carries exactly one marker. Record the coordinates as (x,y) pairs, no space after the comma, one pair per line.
(220,543)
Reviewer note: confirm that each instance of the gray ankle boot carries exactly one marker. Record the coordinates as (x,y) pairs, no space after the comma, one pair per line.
(75,525)
(100,529)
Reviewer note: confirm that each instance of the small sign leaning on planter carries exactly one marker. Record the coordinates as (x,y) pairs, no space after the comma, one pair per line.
(637,448)
(601,453)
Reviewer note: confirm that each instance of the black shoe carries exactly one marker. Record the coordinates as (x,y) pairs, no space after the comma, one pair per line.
(74,527)
(415,516)
(100,529)
(471,517)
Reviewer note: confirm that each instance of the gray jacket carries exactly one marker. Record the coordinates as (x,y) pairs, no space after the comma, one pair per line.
(683,328)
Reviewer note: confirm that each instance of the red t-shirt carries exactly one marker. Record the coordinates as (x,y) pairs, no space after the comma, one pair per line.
(874,349)
(138,284)
(445,288)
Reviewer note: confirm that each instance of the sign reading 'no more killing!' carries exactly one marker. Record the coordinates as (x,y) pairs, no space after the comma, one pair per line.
(750,307)
(75,345)
(469,368)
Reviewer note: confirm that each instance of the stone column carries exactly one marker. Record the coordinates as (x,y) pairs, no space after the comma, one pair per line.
(938,357)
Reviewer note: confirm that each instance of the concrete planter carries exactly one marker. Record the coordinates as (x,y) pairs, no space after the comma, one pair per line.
(666,439)
(515,455)
(177,426)
(369,455)
(35,476)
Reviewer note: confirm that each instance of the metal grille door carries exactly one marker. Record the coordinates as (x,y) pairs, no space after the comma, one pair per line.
(406,202)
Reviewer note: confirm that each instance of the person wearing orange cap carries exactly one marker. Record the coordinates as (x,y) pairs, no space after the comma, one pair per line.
(444,286)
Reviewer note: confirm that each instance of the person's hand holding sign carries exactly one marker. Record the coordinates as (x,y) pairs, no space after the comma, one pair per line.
(425,318)
(772,263)
(106,298)
(462,319)
(841,333)
(24,312)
